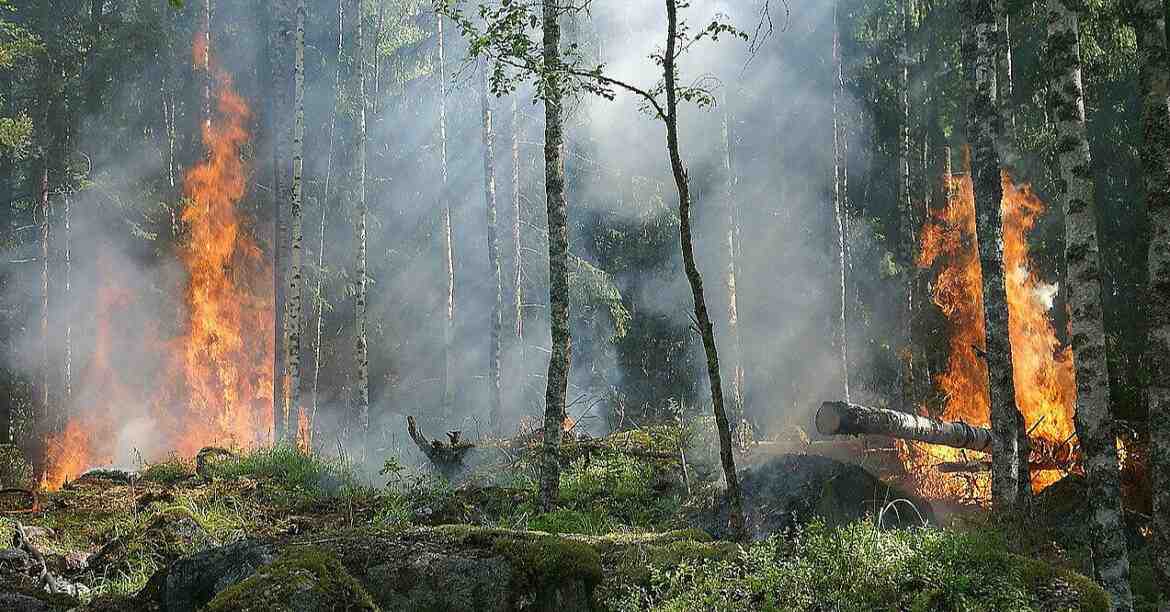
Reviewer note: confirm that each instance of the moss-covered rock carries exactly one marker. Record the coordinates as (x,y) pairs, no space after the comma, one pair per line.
(792,490)
(191,582)
(303,579)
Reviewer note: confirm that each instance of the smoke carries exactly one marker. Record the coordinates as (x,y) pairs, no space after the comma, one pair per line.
(777,102)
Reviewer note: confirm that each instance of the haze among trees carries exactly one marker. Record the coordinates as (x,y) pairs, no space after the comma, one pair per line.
(811,277)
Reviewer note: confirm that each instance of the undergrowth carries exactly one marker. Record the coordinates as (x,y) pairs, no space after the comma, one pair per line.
(861,567)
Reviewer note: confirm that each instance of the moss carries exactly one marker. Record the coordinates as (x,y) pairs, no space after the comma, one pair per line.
(174,470)
(635,564)
(303,578)
(1041,577)
(543,559)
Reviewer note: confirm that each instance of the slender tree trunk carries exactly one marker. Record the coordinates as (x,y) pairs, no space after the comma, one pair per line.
(320,292)
(46,411)
(558,261)
(361,353)
(737,369)
(67,299)
(292,339)
(1004,66)
(206,64)
(703,319)
(446,407)
(517,261)
(493,240)
(840,187)
(1149,22)
(984,131)
(281,99)
(1094,421)
(907,222)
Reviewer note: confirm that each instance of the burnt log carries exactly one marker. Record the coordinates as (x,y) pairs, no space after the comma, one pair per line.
(448,459)
(841,418)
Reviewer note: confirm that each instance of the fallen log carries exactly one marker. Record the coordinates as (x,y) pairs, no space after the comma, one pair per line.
(841,418)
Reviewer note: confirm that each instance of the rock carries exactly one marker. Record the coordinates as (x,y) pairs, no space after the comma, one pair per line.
(793,489)
(303,579)
(14,557)
(191,582)
(16,602)
(435,581)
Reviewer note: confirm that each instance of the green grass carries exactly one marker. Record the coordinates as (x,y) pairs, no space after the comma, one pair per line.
(172,470)
(291,477)
(860,567)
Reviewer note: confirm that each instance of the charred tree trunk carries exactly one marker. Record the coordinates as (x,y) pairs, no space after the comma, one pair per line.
(703,318)
(558,261)
(984,131)
(843,418)
(292,338)
(493,240)
(361,352)
(1094,421)
(446,404)
(1149,19)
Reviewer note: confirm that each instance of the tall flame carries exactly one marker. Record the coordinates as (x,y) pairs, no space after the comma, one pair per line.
(216,377)
(1043,370)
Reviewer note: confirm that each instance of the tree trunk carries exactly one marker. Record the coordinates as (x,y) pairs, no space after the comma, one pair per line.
(906,222)
(361,352)
(558,261)
(281,57)
(319,295)
(1094,421)
(984,131)
(67,299)
(292,338)
(840,188)
(703,319)
(446,405)
(737,369)
(1149,22)
(493,239)
(843,418)
(44,416)
(517,261)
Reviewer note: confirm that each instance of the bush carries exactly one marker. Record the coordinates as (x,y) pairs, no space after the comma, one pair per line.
(173,470)
(621,487)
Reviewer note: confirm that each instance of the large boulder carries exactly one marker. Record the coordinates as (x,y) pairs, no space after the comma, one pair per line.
(192,582)
(303,579)
(794,489)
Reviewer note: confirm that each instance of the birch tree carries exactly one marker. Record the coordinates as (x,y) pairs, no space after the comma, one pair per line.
(361,351)
(984,131)
(493,243)
(1149,22)
(448,246)
(1076,192)
(292,327)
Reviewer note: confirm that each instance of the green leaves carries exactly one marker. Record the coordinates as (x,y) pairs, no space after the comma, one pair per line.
(178,4)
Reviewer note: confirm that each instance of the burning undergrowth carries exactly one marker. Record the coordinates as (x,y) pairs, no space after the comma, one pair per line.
(1044,372)
(211,382)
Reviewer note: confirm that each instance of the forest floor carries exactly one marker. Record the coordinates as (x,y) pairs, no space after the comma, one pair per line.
(280,529)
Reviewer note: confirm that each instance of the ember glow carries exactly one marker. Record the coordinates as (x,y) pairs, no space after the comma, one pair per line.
(1043,367)
(214,384)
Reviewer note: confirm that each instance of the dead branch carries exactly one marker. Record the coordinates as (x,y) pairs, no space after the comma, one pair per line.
(21,540)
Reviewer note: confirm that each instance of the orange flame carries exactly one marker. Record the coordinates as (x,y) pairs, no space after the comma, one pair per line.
(1042,368)
(216,385)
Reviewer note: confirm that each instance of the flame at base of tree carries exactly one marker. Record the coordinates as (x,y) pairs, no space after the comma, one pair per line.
(214,381)
(1043,369)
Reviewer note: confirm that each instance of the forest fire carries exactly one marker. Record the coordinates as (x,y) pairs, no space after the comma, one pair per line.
(214,383)
(1043,367)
